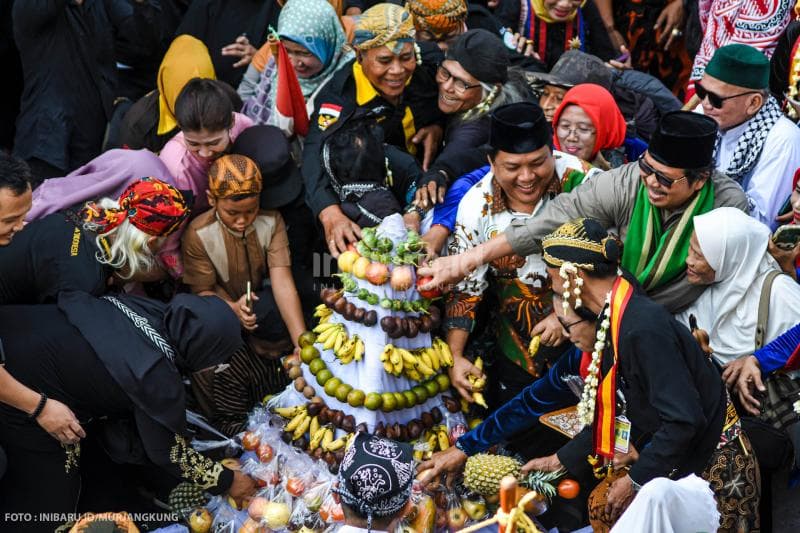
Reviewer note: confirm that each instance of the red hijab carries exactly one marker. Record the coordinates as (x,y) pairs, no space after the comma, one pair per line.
(598,103)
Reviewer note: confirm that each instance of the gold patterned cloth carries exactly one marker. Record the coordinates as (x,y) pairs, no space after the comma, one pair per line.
(439,17)
(384,25)
(234,175)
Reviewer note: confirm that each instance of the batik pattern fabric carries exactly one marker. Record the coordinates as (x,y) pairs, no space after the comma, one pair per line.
(520,284)
(635,21)
(384,25)
(193,465)
(758,24)
(440,17)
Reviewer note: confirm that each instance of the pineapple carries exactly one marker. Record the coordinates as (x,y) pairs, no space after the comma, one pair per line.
(484,471)
(543,482)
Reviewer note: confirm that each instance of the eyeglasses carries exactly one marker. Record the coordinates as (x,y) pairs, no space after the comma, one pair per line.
(581,132)
(714,99)
(647,170)
(571,324)
(442,75)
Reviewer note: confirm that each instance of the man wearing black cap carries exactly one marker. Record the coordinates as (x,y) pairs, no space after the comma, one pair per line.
(525,174)
(650,202)
(374,483)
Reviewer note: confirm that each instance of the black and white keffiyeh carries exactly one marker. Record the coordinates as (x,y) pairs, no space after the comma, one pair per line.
(375,476)
(751,143)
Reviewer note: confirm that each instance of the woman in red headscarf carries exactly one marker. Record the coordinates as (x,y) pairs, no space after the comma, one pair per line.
(589,122)
(90,249)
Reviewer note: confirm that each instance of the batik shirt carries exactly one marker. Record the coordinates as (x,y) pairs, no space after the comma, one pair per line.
(521,285)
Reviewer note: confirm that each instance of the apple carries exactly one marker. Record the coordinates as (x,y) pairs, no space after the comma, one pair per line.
(456,518)
(430,293)
(265,452)
(295,486)
(346,260)
(402,278)
(377,273)
(250,440)
(360,267)
(200,520)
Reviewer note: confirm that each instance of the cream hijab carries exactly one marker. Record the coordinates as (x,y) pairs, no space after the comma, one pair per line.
(735,246)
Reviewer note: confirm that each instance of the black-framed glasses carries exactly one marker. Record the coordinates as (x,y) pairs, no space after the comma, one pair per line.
(714,99)
(571,324)
(664,180)
(442,75)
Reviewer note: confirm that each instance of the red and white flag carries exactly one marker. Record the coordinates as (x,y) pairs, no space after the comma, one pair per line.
(290,105)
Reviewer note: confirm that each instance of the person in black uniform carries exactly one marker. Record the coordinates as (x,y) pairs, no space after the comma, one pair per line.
(86,250)
(391,83)
(122,359)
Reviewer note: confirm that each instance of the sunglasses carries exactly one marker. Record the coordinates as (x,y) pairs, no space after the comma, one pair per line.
(714,99)
(647,170)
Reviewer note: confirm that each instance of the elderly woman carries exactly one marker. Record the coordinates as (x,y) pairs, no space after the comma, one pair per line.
(474,79)
(391,83)
(119,361)
(314,40)
(589,125)
(111,241)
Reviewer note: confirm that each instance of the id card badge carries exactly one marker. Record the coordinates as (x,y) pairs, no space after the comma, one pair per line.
(622,434)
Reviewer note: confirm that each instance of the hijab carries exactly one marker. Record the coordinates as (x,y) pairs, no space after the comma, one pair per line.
(735,246)
(148,346)
(185,59)
(601,107)
(541,11)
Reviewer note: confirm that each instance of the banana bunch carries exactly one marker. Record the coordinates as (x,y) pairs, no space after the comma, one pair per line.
(432,440)
(351,350)
(417,365)
(289,412)
(533,347)
(322,437)
(299,424)
(331,335)
(323,312)
(478,385)
(442,350)
(392,360)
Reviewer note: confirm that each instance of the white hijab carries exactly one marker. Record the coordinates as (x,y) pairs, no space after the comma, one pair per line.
(735,246)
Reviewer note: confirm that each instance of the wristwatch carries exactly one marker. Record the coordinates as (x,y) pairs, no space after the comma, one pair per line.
(413,208)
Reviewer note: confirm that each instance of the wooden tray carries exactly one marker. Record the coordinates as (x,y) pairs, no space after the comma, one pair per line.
(565,421)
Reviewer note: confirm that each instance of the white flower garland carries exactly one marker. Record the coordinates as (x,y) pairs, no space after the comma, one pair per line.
(566,269)
(587,404)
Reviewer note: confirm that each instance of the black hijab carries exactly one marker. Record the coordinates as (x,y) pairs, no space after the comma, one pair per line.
(147,346)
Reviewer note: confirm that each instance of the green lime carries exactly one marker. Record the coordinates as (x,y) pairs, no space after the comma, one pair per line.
(307,338)
(323,376)
(421,393)
(411,398)
(316,365)
(443,381)
(389,403)
(432,387)
(373,401)
(308,353)
(342,391)
(331,385)
(401,400)
(356,398)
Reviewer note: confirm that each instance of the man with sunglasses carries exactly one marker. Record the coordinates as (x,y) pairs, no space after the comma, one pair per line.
(650,203)
(758,146)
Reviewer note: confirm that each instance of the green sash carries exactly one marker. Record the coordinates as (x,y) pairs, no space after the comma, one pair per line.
(654,255)
(571,179)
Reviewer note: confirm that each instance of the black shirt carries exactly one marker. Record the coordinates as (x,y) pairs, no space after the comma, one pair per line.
(48,256)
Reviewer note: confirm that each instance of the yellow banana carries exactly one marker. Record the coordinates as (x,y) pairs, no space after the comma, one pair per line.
(387,350)
(324,327)
(336,444)
(340,338)
(314,427)
(478,384)
(316,439)
(424,369)
(444,352)
(294,422)
(387,366)
(327,437)
(360,347)
(479,363)
(444,440)
(330,342)
(302,428)
(432,440)
(347,351)
(413,374)
(408,357)
(479,399)
(396,358)
(426,359)
(323,337)
(289,412)
(533,347)
(325,319)
(436,362)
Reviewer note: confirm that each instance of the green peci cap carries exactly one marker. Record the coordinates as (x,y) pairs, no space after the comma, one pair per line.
(740,65)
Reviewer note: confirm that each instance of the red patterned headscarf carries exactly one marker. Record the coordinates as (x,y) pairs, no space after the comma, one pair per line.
(155,207)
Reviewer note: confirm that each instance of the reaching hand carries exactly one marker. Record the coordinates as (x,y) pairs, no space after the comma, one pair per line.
(60,422)
(241,48)
(458,376)
(747,382)
(242,487)
(449,461)
(551,463)
(669,24)
(550,329)
(339,229)
(430,190)
(445,271)
(430,137)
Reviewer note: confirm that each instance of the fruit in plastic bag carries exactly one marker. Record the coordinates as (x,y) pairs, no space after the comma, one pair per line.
(276,515)
(257,507)
(200,520)
(475,507)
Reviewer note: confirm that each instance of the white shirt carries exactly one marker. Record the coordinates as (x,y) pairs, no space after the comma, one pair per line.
(769,183)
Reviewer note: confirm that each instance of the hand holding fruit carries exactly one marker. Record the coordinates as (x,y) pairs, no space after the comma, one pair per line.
(449,461)
(550,330)
(242,487)
(551,463)
(244,313)
(339,230)
(60,422)
(445,271)
(459,376)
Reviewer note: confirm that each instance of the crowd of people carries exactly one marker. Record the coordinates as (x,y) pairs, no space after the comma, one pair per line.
(617,178)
